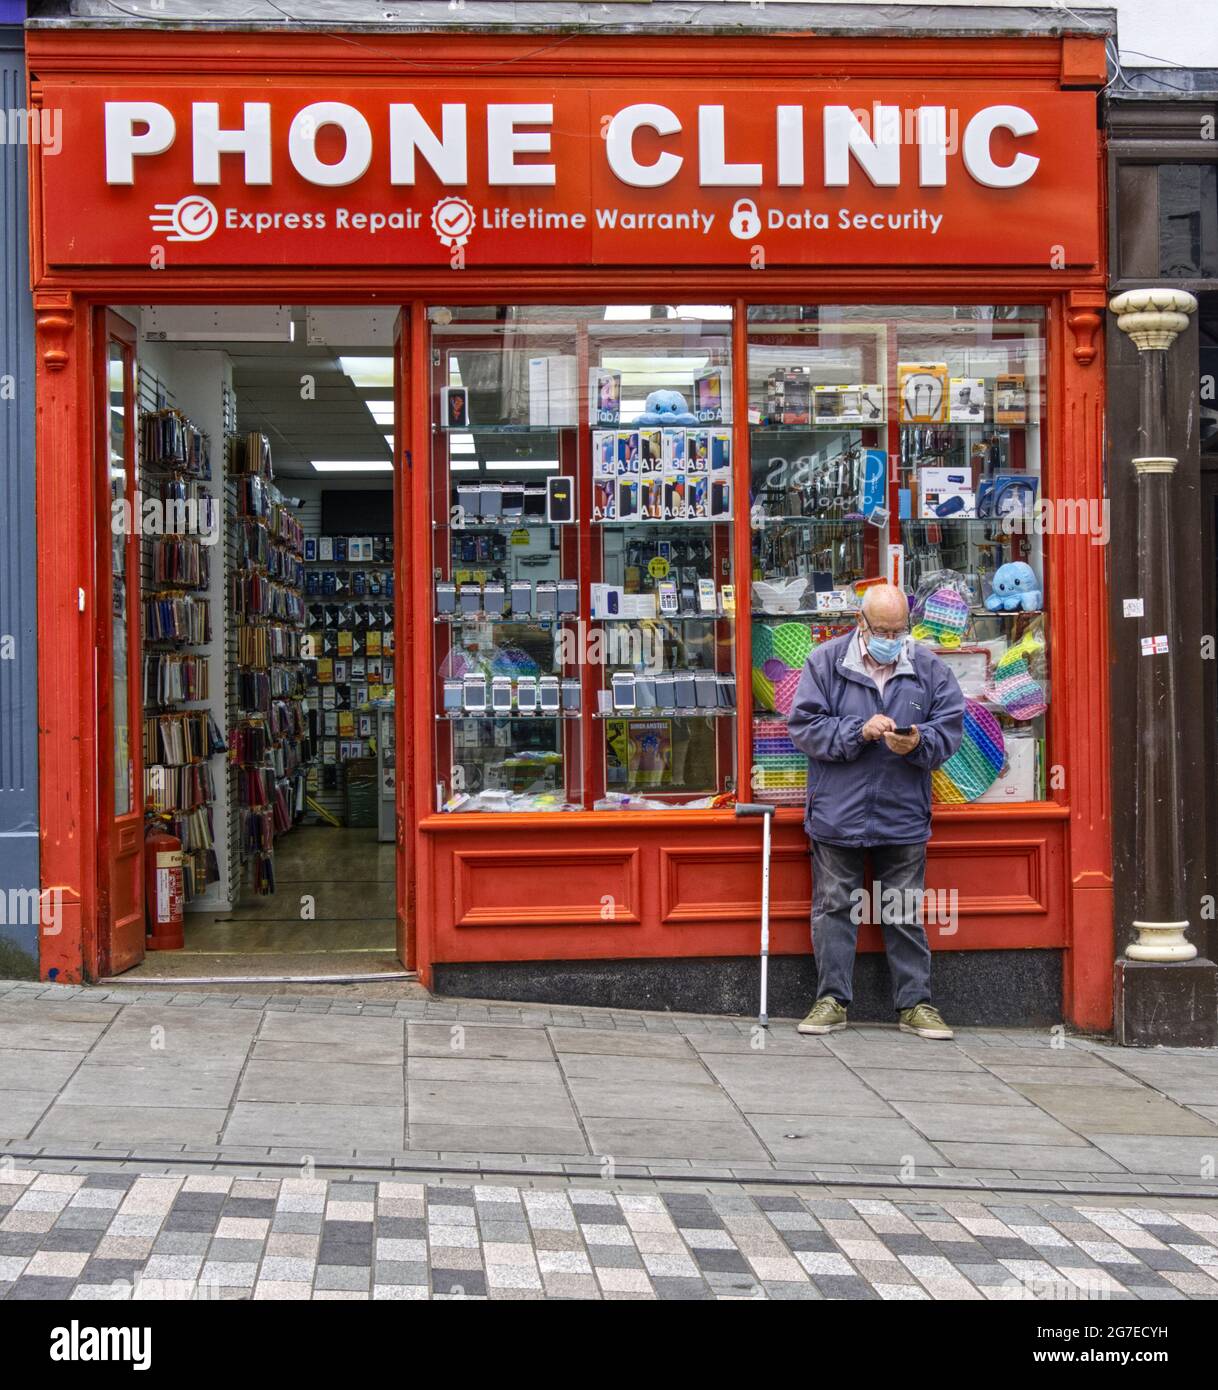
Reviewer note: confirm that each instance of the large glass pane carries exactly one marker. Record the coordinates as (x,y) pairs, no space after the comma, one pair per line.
(583,604)
(905,443)
(119,368)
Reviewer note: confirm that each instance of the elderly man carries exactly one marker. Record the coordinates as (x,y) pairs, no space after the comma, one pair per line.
(876,713)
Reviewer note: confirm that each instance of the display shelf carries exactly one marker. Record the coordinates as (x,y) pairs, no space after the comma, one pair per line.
(515,717)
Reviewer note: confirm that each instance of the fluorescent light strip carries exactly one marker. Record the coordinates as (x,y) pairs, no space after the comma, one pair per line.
(369,373)
(335,466)
(527,466)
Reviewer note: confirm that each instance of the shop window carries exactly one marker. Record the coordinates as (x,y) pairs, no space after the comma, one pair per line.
(584,600)
(1207,338)
(905,443)
(1188,221)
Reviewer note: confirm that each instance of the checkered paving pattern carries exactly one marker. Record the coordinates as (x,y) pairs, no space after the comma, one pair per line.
(119,1235)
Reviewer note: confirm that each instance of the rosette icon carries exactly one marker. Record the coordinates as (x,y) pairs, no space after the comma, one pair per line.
(452,220)
(193,218)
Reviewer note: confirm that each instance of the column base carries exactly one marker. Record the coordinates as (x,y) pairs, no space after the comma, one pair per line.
(1156,1004)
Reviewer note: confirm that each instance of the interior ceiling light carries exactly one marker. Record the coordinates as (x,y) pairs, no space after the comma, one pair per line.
(344,466)
(369,373)
(382,411)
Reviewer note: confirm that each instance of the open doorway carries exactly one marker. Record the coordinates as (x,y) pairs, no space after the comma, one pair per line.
(254,523)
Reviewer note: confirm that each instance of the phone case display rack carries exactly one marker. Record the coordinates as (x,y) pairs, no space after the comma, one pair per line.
(349,592)
(270,745)
(178,517)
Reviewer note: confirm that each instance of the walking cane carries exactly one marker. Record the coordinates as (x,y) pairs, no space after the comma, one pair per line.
(746,808)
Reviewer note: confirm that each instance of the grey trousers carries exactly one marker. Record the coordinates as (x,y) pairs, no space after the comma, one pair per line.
(837,910)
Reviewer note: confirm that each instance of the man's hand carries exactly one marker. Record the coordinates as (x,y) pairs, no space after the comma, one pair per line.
(902,743)
(877,727)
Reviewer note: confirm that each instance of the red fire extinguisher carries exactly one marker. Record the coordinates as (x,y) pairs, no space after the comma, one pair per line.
(164,890)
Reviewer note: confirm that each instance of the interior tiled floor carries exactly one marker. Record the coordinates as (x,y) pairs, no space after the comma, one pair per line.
(332,912)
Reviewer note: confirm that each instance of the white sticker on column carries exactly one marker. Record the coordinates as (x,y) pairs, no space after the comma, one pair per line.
(1133,607)
(1154,646)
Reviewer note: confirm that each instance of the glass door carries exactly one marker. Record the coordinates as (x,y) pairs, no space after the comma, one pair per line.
(120,762)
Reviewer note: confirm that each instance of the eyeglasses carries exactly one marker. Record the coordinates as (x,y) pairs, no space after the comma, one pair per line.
(895,632)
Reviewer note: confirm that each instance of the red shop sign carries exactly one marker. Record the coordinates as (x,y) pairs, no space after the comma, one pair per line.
(428,174)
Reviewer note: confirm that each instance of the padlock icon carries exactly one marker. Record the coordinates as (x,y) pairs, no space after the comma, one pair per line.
(745,222)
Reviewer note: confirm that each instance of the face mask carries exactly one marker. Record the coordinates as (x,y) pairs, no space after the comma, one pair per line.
(884,650)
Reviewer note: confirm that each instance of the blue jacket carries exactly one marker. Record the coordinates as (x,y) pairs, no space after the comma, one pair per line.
(863,793)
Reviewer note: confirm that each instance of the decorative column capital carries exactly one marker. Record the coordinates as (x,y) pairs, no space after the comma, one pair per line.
(1153,318)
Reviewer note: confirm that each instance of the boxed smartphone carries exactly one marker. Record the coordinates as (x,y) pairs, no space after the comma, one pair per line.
(651,450)
(674,497)
(545,599)
(471,597)
(604,453)
(706,596)
(672,448)
(501,695)
(697,449)
(310,548)
(522,597)
(512,501)
(490,501)
(720,451)
(469,500)
(651,498)
(552,393)
(534,504)
(697,495)
(712,396)
(665,690)
(604,499)
(706,689)
(623,690)
(454,408)
(526,694)
(568,596)
(606,601)
(727,690)
(453,699)
(604,396)
(549,694)
(493,599)
(720,498)
(474,692)
(796,398)
(685,694)
(570,694)
(627,451)
(628,498)
(446,598)
(560,500)
(325,547)
(645,692)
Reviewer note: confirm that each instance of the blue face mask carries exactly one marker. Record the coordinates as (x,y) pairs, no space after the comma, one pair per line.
(884,650)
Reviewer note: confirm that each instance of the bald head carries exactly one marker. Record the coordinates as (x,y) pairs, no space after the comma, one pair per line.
(885,607)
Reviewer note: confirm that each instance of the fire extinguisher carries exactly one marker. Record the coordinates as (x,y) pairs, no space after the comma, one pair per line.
(164,890)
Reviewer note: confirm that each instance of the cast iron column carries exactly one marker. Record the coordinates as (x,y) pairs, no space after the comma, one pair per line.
(1163,995)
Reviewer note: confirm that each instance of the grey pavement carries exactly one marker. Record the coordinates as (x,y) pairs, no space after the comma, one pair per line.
(210,1082)
(121,1235)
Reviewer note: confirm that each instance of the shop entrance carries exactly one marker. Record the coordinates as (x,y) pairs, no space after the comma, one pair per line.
(250,660)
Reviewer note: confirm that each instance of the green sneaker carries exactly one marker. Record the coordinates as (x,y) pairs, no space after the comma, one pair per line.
(826,1016)
(926,1021)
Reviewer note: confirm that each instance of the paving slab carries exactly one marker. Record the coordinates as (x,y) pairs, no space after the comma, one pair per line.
(20,1111)
(966,1087)
(818,1140)
(986,1123)
(160,1080)
(498,1138)
(323,1083)
(480,1102)
(1117,1110)
(905,1052)
(702,1140)
(368,1039)
(677,1100)
(49,1027)
(313,1126)
(478,1040)
(612,1066)
(1050,1161)
(460,1067)
(1177,1155)
(619,1042)
(35,1069)
(763,1084)
(130,1124)
(1014,1074)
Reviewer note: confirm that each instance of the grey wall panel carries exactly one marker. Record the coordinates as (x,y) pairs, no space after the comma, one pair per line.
(18,567)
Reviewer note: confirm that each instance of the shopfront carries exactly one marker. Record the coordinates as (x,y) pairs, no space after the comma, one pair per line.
(678,369)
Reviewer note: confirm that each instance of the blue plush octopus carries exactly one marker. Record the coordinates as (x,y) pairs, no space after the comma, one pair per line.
(666,408)
(1016,588)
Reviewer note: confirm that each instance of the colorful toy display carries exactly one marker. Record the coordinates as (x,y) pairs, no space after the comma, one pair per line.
(974,766)
(1016,589)
(1013,687)
(944,618)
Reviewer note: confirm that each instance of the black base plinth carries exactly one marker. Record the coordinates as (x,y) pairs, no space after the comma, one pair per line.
(1160,1005)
